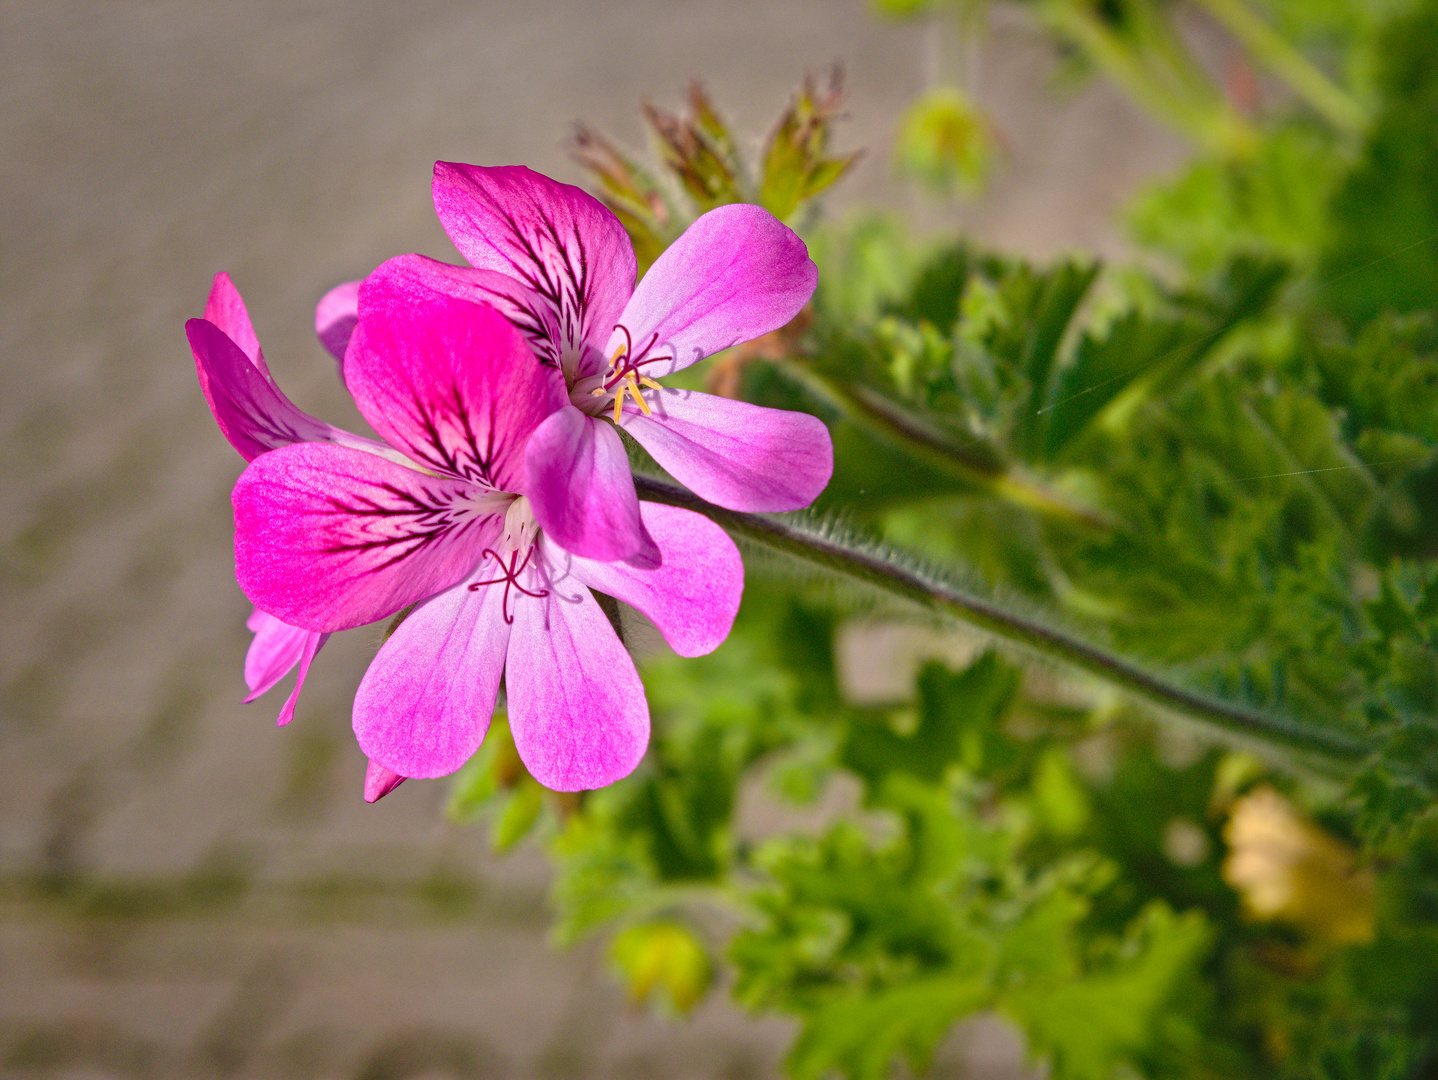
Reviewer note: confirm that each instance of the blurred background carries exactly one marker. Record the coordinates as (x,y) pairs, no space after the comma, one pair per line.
(184,889)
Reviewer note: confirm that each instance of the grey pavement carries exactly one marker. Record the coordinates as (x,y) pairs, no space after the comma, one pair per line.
(184,889)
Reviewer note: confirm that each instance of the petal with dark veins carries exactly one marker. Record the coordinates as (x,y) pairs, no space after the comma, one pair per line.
(419,279)
(328,538)
(450,382)
(561,242)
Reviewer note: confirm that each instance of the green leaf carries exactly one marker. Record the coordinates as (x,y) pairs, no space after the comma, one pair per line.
(1141,356)
(1384,252)
(1089,1026)
(1059,798)
(958,722)
(860,1036)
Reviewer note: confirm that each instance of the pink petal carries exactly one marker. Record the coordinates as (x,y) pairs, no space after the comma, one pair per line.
(335,318)
(251,411)
(693,597)
(313,643)
(577,478)
(418,279)
(275,650)
(328,538)
(379,782)
(738,455)
(226,309)
(576,705)
(558,240)
(425,703)
(735,274)
(449,382)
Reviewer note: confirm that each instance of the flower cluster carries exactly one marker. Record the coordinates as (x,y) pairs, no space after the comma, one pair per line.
(500,498)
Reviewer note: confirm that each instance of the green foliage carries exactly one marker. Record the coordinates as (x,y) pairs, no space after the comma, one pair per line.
(796,167)
(881,943)
(1273,202)
(1384,254)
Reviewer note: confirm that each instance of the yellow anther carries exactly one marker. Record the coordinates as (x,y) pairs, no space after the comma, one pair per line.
(647,381)
(638,397)
(631,387)
(614,360)
(598,393)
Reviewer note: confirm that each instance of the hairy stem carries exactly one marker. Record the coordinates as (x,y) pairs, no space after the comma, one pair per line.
(804,542)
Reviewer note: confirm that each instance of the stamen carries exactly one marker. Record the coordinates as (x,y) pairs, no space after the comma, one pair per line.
(624,377)
(511,578)
(638,398)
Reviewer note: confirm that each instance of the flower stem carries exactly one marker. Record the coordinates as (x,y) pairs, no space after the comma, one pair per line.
(978,463)
(1303,78)
(872,568)
(1154,67)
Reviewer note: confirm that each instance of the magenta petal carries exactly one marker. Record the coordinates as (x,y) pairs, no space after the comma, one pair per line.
(415,279)
(736,273)
(328,538)
(335,318)
(577,478)
(251,411)
(379,782)
(275,650)
(576,705)
(737,455)
(558,240)
(693,597)
(425,703)
(449,382)
(226,309)
(313,644)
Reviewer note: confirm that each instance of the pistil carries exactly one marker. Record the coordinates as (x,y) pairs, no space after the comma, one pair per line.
(510,579)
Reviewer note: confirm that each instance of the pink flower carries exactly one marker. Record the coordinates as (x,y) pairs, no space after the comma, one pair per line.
(255,416)
(332,534)
(561,267)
